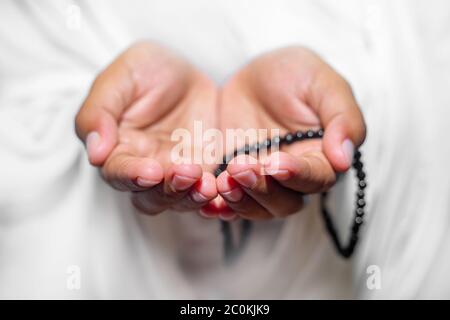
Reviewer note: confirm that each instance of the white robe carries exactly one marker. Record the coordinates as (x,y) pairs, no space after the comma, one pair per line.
(59,220)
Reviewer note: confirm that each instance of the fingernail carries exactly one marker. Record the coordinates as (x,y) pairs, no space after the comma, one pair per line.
(93,141)
(141,182)
(234,195)
(181,183)
(348,148)
(247,178)
(279,173)
(268,167)
(198,197)
(273,168)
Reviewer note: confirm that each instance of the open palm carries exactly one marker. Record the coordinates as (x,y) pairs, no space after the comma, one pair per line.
(289,89)
(127,121)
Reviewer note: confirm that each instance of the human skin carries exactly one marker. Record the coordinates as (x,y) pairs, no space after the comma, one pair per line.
(288,89)
(137,102)
(127,120)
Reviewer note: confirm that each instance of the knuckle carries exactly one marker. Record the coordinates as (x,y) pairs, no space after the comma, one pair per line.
(320,172)
(358,130)
(122,166)
(307,171)
(114,172)
(362,131)
(344,84)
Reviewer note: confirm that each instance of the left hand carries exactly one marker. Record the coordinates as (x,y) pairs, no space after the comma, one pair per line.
(288,89)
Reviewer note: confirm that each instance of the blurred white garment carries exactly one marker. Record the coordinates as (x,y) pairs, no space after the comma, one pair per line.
(57,215)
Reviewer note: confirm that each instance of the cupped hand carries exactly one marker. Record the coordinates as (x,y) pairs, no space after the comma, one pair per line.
(288,89)
(127,121)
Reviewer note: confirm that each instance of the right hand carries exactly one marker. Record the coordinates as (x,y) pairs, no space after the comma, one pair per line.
(127,120)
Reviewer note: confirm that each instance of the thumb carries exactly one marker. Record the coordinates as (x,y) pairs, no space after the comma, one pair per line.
(345,130)
(96,123)
(98,131)
(343,134)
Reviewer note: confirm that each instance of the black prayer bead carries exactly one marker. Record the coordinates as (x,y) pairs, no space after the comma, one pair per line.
(267,143)
(276,140)
(320,133)
(299,135)
(361,203)
(289,138)
(359,212)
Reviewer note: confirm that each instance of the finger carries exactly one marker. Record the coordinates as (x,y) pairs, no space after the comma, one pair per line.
(144,204)
(332,98)
(180,178)
(276,199)
(178,181)
(126,172)
(239,202)
(308,173)
(202,192)
(218,208)
(96,122)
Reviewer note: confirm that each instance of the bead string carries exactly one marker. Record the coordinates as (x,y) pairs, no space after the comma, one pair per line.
(344,250)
